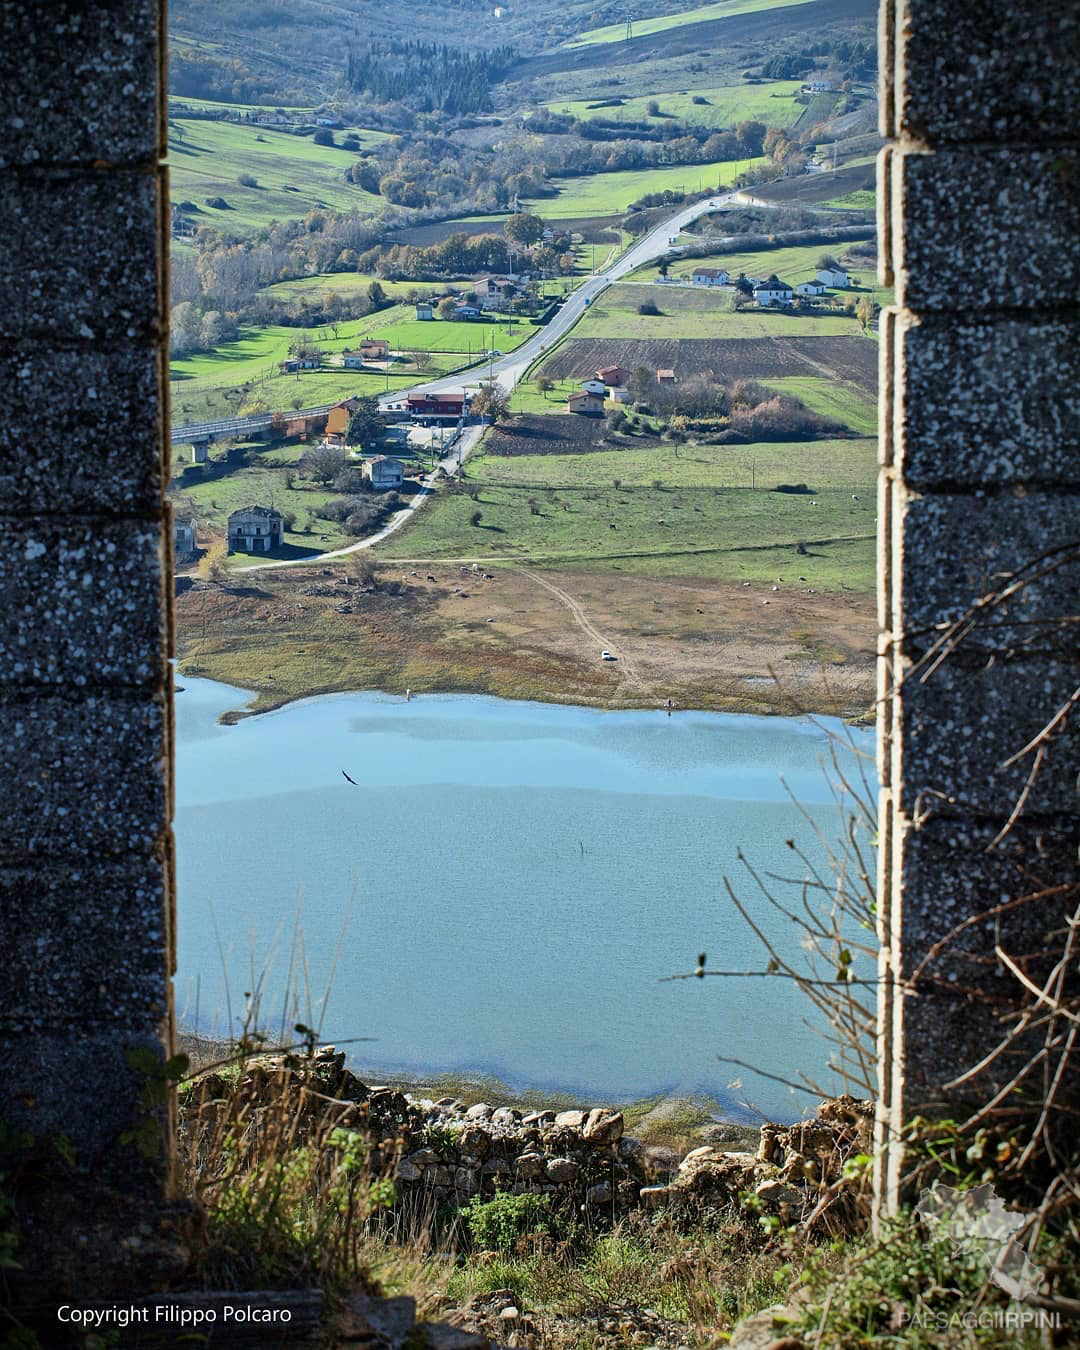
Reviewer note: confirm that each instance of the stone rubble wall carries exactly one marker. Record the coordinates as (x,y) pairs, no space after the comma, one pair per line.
(442,1153)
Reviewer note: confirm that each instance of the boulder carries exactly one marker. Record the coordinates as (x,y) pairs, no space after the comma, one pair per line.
(563,1171)
(572,1120)
(653,1197)
(467,1180)
(529,1165)
(599,1194)
(496,1167)
(603,1126)
(481,1111)
(407,1171)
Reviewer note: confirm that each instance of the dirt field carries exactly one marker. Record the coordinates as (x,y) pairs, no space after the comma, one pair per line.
(527,633)
(817,187)
(850,359)
(554,434)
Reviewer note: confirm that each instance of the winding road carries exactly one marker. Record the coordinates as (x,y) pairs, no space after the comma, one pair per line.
(508,370)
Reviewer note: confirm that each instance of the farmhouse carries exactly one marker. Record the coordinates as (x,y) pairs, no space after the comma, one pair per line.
(772,292)
(810,288)
(383,472)
(438,405)
(833,276)
(613,375)
(496,290)
(595,387)
(424,310)
(710,276)
(184,537)
(586,402)
(665,375)
(466,311)
(255,529)
(295,363)
(620,396)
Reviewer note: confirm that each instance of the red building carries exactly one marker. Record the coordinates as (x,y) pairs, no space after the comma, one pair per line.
(436,405)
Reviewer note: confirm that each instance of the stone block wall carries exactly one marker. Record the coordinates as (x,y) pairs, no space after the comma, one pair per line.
(86,921)
(979,216)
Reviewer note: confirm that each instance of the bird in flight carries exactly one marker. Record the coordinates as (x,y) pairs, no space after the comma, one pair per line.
(348,779)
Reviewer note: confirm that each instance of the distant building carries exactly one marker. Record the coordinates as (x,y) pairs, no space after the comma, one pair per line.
(466,311)
(424,310)
(810,288)
(352,360)
(665,375)
(833,276)
(586,402)
(620,396)
(184,537)
(496,290)
(375,349)
(438,405)
(773,292)
(710,276)
(295,363)
(337,420)
(613,375)
(595,387)
(255,529)
(383,472)
(818,86)
(200,450)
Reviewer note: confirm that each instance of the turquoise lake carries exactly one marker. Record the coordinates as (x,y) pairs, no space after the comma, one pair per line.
(504,889)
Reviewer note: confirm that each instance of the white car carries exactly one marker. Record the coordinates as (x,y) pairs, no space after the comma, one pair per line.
(607,656)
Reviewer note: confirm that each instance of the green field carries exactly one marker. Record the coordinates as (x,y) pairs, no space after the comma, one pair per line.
(790,264)
(201,382)
(215,105)
(725,9)
(263,481)
(294,175)
(865,199)
(771,103)
(609,194)
(344,284)
(692,525)
(697,313)
(832,398)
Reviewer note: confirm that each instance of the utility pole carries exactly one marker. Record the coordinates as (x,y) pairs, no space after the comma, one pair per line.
(629,28)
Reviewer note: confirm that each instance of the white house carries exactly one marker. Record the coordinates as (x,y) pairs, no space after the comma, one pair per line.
(619,396)
(594,387)
(255,529)
(466,311)
(773,292)
(818,86)
(833,276)
(710,276)
(810,288)
(383,472)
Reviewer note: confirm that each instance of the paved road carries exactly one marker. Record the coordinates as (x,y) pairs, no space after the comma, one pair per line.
(508,370)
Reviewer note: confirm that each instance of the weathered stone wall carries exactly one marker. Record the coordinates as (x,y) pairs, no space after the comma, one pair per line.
(86,924)
(979,215)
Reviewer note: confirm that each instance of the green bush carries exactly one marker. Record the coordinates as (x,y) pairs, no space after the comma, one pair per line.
(496,1224)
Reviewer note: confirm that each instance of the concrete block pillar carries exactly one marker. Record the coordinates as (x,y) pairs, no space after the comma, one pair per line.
(979,217)
(86,918)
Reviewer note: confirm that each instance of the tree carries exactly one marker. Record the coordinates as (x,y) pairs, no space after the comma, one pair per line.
(323,463)
(476,518)
(376,295)
(663,266)
(864,310)
(447,307)
(324,136)
(827,263)
(492,401)
(652,108)
(524,228)
(544,384)
(365,424)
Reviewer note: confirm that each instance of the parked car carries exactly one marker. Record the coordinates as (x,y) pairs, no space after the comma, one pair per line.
(607,656)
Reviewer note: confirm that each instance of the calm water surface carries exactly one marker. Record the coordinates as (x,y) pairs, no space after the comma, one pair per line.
(506,887)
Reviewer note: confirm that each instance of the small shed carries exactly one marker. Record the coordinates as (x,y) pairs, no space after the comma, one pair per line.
(612,375)
(424,310)
(665,375)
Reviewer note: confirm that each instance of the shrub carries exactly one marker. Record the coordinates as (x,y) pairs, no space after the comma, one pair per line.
(476,518)
(248,180)
(497,1224)
(324,136)
(218,203)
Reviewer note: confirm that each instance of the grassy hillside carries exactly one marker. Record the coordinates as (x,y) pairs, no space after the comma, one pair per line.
(724,9)
(771,102)
(293,175)
(695,314)
(609,194)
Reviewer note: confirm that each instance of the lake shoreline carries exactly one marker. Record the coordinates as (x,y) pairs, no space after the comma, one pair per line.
(530,636)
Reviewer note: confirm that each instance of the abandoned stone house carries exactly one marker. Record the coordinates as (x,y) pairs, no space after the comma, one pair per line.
(255,529)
